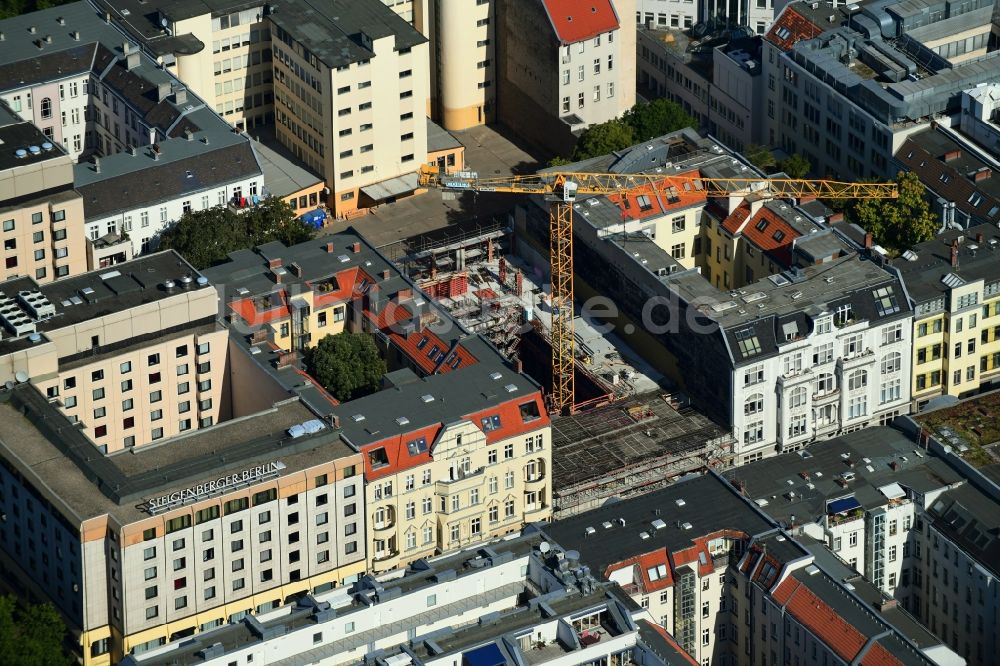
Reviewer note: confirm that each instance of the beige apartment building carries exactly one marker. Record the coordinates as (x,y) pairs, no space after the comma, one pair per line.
(456,445)
(334,98)
(564,65)
(146,368)
(450,485)
(463,69)
(42,215)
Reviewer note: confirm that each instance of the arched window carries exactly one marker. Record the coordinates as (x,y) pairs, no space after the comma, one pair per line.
(825,383)
(46,107)
(857,380)
(891,363)
(797,398)
(754,404)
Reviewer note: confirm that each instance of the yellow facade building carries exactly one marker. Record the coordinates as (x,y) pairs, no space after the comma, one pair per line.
(954,283)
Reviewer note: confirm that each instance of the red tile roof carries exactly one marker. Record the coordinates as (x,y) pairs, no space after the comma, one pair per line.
(397,453)
(791,27)
(767,239)
(658,202)
(670,639)
(577,20)
(512,424)
(826,624)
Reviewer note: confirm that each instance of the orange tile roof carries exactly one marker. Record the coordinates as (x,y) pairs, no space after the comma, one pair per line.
(576,20)
(246,309)
(791,27)
(659,204)
(766,239)
(826,624)
(397,453)
(670,639)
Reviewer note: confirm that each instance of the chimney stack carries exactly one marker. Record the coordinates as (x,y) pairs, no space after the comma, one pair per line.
(356,248)
(329,247)
(982,174)
(386,273)
(97,165)
(131,60)
(952,155)
(980,237)
(188,134)
(868,241)
(162,90)
(954,253)
(180,95)
(274,263)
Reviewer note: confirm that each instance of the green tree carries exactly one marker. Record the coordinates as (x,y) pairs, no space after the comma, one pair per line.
(897,224)
(604,138)
(649,120)
(558,161)
(760,156)
(346,364)
(795,166)
(32,635)
(206,237)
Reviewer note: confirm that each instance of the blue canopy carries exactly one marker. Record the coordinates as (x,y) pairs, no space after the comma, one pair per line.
(487,655)
(843,505)
(314,217)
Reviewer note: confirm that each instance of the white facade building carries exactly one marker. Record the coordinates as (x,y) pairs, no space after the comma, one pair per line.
(754,14)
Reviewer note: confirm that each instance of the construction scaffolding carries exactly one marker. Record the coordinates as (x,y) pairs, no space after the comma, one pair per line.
(631,447)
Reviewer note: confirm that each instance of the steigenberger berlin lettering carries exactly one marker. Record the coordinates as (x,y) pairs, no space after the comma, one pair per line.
(213,487)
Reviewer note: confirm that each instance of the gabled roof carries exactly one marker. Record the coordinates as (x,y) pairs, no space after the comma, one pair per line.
(791,27)
(577,20)
(767,230)
(950,172)
(826,624)
(645,202)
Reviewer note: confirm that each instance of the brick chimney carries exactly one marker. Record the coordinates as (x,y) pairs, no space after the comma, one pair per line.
(982,174)
(952,155)
(356,248)
(980,237)
(274,263)
(954,253)
(404,294)
(329,247)
(868,241)
(386,274)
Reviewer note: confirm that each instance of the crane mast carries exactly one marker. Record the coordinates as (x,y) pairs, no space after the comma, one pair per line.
(562,188)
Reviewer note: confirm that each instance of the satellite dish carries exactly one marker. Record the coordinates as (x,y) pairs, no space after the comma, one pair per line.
(9,385)
(544,547)
(21,376)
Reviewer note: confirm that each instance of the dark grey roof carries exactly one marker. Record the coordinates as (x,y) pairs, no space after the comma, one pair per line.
(282,176)
(760,309)
(971,519)
(141,20)
(127,182)
(139,283)
(36,437)
(769,482)
(457,393)
(332,30)
(15,135)
(923,275)
(438,138)
(709,505)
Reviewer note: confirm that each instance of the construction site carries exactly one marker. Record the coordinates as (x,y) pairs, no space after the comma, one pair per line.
(629,432)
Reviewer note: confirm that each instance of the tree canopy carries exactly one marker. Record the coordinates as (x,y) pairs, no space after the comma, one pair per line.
(796,166)
(9,8)
(897,224)
(603,138)
(760,156)
(649,120)
(347,364)
(205,237)
(32,635)
(644,121)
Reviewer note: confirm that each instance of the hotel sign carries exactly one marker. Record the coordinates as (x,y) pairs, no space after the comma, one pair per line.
(214,487)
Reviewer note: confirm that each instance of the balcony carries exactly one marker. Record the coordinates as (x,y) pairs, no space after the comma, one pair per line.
(826,396)
(864,357)
(384,554)
(384,518)
(534,472)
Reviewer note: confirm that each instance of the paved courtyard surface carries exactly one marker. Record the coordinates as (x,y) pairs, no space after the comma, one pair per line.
(396,226)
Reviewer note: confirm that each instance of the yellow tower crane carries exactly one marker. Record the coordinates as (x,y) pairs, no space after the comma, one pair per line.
(562,188)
